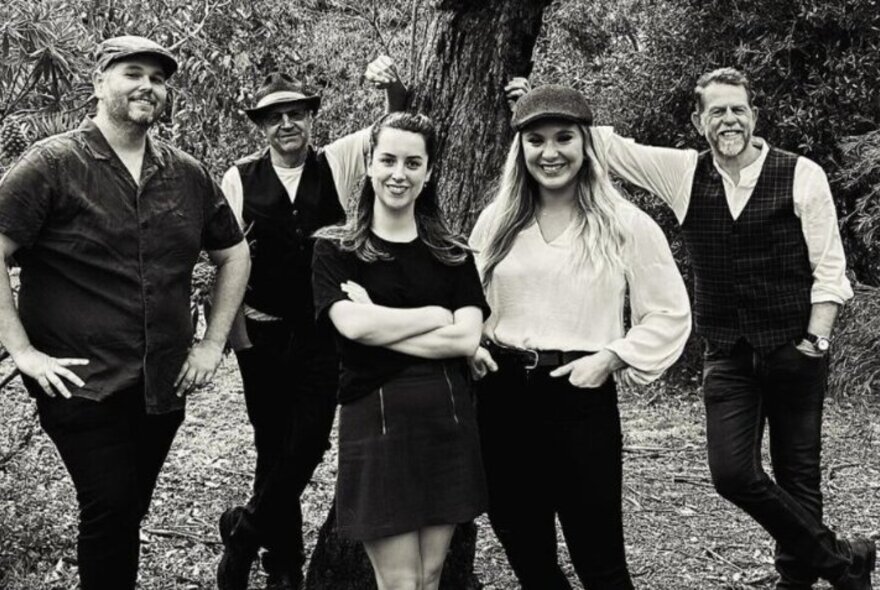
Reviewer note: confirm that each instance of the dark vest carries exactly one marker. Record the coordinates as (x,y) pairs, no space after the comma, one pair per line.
(280,232)
(752,276)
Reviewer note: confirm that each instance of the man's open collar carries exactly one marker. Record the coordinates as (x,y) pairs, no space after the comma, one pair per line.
(101,150)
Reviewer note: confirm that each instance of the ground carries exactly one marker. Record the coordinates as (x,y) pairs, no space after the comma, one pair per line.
(680,535)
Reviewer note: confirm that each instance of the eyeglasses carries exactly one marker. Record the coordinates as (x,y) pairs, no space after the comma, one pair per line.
(276,117)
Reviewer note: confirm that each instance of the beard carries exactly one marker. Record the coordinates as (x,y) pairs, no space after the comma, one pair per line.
(731,146)
(123,112)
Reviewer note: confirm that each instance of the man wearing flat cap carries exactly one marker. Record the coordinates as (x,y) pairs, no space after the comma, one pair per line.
(107,223)
(282,194)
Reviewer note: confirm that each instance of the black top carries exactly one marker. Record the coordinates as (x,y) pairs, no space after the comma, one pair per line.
(280,234)
(106,263)
(413,278)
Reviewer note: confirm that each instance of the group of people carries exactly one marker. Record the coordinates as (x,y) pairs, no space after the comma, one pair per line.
(473,374)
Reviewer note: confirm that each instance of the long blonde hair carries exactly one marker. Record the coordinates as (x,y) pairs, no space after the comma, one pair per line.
(599,207)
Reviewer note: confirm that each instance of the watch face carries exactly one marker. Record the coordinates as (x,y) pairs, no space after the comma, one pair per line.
(822,344)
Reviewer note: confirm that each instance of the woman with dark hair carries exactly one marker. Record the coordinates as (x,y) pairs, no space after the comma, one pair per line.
(558,250)
(404,296)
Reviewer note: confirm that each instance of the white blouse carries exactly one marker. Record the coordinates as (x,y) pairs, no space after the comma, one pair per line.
(542,299)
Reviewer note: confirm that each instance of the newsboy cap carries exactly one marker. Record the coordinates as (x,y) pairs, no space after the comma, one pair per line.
(280,88)
(552,101)
(115,49)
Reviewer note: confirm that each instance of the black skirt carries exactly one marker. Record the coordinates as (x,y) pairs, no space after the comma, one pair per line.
(409,455)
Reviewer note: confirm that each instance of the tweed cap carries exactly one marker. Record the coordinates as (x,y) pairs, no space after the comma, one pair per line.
(115,49)
(280,88)
(552,101)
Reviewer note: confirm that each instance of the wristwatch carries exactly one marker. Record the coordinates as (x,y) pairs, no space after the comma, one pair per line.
(820,343)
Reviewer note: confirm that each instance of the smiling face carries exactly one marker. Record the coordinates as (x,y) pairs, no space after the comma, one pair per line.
(727,120)
(398,170)
(288,128)
(554,154)
(132,91)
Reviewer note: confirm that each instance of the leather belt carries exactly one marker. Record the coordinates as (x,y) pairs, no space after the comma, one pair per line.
(532,359)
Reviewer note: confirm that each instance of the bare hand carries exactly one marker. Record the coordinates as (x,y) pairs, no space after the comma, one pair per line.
(199,367)
(381,72)
(48,371)
(515,89)
(355,292)
(589,371)
(481,363)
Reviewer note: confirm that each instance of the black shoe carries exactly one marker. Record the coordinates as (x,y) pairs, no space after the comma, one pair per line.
(284,581)
(858,575)
(234,568)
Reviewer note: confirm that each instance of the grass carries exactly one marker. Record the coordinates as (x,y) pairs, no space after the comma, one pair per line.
(680,534)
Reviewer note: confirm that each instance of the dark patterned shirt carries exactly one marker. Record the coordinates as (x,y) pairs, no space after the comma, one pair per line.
(106,263)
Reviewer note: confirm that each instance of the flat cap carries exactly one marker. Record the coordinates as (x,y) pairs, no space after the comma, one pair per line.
(115,49)
(552,101)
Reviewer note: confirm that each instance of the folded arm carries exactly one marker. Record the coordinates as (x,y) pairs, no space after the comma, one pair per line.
(459,339)
(378,325)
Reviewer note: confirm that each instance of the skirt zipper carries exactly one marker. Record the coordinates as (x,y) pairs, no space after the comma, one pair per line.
(382,409)
(451,394)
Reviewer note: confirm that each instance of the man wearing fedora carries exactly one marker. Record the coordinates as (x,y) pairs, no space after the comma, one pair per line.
(282,194)
(107,223)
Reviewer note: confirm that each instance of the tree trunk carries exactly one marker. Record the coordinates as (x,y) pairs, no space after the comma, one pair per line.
(470,51)
(470,54)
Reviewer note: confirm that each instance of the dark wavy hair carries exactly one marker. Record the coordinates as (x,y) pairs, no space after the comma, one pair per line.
(355,236)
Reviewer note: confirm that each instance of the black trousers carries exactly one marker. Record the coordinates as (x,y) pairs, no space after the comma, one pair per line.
(113,451)
(784,389)
(552,450)
(290,379)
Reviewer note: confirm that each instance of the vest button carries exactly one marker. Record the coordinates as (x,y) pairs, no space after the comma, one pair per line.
(295,212)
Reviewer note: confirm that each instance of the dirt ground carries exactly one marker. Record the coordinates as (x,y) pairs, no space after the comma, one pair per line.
(680,535)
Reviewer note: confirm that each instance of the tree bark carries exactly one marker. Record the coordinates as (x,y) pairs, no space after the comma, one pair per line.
(471,49)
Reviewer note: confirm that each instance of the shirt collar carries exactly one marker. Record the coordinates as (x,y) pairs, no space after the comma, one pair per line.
(100,148)
(748,176)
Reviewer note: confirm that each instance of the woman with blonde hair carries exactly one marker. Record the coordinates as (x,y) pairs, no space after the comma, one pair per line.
(404,296)
(558,250)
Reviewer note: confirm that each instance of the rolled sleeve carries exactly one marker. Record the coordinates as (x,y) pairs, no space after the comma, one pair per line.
(26,195)
(221,229)
(814,206)
(661,317)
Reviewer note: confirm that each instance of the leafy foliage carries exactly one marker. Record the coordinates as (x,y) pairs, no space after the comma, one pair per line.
(813,64)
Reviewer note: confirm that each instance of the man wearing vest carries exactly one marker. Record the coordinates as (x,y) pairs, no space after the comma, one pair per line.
(283,193)
(769,277)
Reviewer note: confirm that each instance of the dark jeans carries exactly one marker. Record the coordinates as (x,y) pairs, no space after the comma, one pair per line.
(744,390)
(290,391)
(113,451)
(553,450)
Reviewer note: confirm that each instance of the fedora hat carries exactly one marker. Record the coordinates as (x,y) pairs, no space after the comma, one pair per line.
(280,88)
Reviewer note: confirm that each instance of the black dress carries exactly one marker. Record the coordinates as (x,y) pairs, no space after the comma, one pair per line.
(409,451)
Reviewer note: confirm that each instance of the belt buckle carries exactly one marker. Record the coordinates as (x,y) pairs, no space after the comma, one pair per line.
(535,358)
